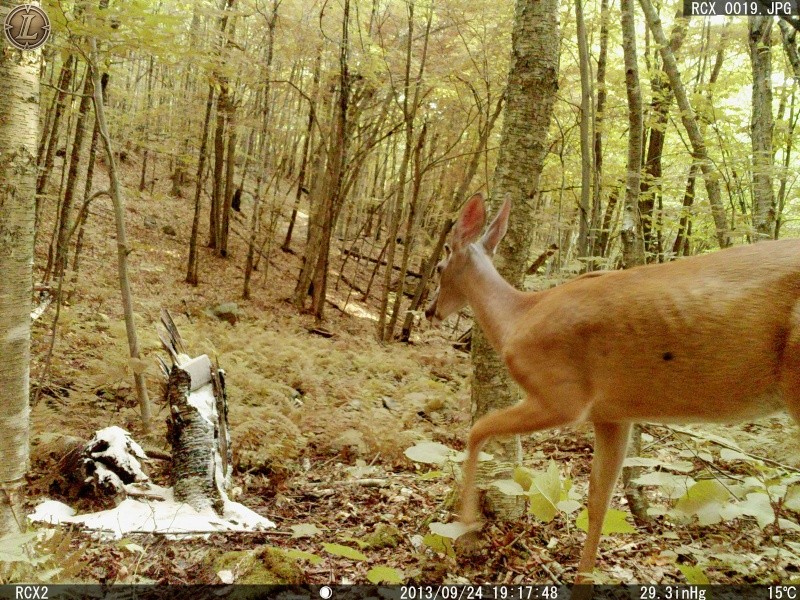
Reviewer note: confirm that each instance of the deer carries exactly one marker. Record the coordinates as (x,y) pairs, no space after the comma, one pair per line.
(709,338)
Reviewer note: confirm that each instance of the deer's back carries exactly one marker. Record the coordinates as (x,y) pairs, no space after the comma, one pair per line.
(701,339)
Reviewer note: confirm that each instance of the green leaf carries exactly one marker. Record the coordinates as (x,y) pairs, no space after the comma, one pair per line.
(439,544)
(792,498)
(345,551)
(431,475)
(758,506)
(674,486)
(694,575)
(568,506)
(303,555)
(452,531)
(524,477)
(704,500)
(616,521)
(12,547)
(131,547)
(385,575)
(545,493)
(509,487)
(305,530)
(429,453)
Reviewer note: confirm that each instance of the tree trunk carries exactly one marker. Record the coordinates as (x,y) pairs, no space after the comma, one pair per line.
(191,269)
(396,211)
(19,125)
(430,264)
(416,155)
(632,243)
(223,98)
(337,151)
(65,219)
(659,116)
(699,152)
(122,242)
(632,239)
(531,91)
(47,161)
(595,248)
(263,150)
(761,126)
(681,245)
(586,149)
(787,158)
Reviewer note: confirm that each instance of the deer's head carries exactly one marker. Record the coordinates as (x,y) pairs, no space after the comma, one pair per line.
(454,270)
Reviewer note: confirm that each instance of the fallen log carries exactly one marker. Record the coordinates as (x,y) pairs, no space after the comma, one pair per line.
(359,256)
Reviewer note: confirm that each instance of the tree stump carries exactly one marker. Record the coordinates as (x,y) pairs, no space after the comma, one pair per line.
(197,427)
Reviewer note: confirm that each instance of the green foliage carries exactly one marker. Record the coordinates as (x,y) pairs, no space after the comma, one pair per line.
(344,551)
(694,574)
(303,555)
(439,544)
(305,530)
(386,575)
(616,521)
(42,555)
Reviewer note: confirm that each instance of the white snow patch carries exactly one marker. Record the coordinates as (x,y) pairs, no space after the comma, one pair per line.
(204,401)
(122,450)
(160,515)
(52,511)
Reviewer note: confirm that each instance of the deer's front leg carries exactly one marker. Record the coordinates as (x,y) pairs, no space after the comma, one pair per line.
(528,416)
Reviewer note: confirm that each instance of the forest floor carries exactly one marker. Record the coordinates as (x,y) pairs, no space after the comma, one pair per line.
(320,427)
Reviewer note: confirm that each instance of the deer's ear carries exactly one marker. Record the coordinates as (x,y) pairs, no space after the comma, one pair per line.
(498,228)
(470,222)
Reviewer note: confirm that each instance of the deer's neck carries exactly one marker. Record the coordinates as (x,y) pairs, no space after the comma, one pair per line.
(495,302)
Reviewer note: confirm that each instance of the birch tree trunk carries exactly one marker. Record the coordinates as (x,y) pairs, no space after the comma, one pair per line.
(531,91)
(761,126)
(19,126)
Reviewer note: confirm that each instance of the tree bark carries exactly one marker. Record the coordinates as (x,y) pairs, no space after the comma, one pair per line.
(761,126)
(595,248)
(662,97)
(699,151)
(586,149)
(264,149)
(191,269)
(122,242)
(19,126)
(65,219)
(531,91)
(632,242)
